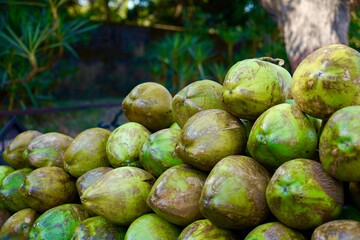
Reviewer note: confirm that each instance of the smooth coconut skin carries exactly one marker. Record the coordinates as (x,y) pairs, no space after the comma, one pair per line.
(337,230)
(88,178)
(339,146)
(175,194)
(98,228)
(210,135)
(195,97)
(47,150)
(204,229)
(152,227)
(274,230)
(58,222)
(149,104)
(13,153)
(4,171)
(158,151)
(87,151)
(119,195)
(252,86)
(124,144)
(233,195)
(282,133)
(327,80)
(48,187)
(303,196)
(19,224)
(10,193)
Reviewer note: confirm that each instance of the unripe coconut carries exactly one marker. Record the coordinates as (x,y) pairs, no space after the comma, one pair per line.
(119,195)
(274,230)
(87,151)
(124,144)
(233,195)
(327,80)
(88,178)
(149,104)
(10,190)
(204,229)
(4,171)
(158,152)
(195,97)
(302,195)
(152,227)
(98,228)
(252,86)
(210,135)
(19,224)
(176,193)
(48,187)
(339,146)
(337,230)
(58,222)
(48,150)
(13,153)
(282,133)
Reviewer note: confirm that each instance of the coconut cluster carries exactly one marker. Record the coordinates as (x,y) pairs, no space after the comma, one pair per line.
(262,155)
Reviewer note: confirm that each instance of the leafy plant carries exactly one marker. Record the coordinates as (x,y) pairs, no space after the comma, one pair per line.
(179,59)
(31,45)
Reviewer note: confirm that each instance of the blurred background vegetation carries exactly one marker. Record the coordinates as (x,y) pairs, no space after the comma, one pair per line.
(61,52)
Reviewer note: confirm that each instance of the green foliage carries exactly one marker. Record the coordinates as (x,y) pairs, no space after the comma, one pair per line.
(221,33)
(179,59)
(32,41)
(354,29)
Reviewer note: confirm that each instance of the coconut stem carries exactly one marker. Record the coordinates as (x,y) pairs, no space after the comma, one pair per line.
(280,61)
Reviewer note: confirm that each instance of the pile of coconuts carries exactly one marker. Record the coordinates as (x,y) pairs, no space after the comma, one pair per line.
(264,155)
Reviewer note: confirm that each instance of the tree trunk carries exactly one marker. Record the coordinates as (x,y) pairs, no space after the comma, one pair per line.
(307,25)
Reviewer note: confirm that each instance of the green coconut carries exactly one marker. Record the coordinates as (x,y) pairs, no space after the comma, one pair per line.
(18,226)
(48,187)
(88,178)
(195,97)
(274,230)
(4,171)
(152,227)
(98,228)
(303,196)
(339,146)
(119,195)
(282,133)
(252,86)
(327,80)
(210,135)
(233,195)
(10,190)
(158,151)
(204,229)
(13,153)
(149,104)
(58,222)
(87,151)
(47,150)
(337,230)
(124,144)
(176,193)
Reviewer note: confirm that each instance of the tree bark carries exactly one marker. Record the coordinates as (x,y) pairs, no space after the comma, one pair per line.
(307,25)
